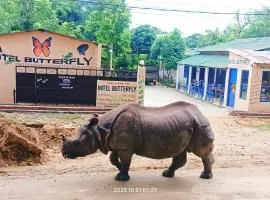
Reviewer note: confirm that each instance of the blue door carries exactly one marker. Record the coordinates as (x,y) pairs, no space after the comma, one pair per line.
(232,87)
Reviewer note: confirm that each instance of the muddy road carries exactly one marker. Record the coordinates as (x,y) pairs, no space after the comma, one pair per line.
(241,169)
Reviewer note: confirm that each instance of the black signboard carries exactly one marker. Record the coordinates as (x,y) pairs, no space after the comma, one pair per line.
(66,82)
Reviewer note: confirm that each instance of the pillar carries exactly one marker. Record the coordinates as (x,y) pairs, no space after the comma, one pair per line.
(198,73)
(178,77)
(206,74)
(215,76)
(189,78)
(226,86)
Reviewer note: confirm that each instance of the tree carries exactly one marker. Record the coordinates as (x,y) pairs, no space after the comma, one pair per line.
(194,41)
(9,14)
(258,25)
(242,21)
(170,48)
(44,16)
(26,15)
(142,39)
(110,25)
(212,37)
(231,32)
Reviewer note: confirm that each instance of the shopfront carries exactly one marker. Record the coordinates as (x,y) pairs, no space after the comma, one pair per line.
(45,67)
(247,86)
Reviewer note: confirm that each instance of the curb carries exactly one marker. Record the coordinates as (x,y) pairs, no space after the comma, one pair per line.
(52,109)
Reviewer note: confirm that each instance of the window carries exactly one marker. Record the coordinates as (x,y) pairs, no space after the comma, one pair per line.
(244,84)
(265,91)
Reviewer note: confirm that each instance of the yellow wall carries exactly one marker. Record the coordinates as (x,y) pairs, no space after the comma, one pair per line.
(21,45)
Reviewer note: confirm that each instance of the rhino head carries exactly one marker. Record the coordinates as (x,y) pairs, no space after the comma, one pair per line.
(87,142)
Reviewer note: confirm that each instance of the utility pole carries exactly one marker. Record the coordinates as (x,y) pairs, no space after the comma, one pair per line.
(160,65)
(111,57)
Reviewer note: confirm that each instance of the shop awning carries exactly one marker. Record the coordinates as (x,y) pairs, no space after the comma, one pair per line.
(215,61)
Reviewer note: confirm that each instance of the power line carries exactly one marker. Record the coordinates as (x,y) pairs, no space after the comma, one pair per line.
(172,10)
(183,4)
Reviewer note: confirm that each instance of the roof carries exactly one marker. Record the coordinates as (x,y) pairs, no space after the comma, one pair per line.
(43,30)
(258,57)
(215,61)
(249,43)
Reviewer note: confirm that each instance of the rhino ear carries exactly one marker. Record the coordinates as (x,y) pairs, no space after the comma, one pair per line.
(93,122)
(95,115)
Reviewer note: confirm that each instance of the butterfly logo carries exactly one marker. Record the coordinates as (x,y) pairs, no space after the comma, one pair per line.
(41,48)
(82,49)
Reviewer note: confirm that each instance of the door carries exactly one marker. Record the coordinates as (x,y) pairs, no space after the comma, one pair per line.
(232,87)
(186,75)
(202,74)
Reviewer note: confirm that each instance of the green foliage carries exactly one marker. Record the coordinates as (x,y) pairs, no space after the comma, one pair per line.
(212,38)
(142,39)
(253,26)
(170,47)
(194,41)
(9,16)
(258,25)
(111,26)
(26,15)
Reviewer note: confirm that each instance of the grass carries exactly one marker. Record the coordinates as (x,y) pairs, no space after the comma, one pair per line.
(265,126)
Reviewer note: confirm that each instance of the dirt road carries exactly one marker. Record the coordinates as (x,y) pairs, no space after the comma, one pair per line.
(241,170)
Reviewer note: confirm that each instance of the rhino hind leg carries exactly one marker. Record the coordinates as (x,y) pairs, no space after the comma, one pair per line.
(177,162)
(125,158)
(115,160)
(208,161)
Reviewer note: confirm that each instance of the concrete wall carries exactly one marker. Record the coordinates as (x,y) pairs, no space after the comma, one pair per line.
(19,48)
(255,104)
(252,103)
(240,104)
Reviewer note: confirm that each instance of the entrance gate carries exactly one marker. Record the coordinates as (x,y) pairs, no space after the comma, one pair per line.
(62,86)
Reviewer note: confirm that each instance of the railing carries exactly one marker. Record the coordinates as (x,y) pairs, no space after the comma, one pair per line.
(102,73)
(214,92)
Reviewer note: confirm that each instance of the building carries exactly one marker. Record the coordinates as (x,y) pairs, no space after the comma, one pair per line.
(247,86)
(204,74)
(45,67)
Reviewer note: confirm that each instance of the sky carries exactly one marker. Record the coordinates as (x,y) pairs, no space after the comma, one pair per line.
(190,23)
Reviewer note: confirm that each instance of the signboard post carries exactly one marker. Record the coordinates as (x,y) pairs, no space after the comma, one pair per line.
(111,94)
(140,84)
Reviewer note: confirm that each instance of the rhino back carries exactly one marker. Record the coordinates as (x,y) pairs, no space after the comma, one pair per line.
(154,132)
(167,130)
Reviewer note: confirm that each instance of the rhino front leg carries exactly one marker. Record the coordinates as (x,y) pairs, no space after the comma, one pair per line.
(177,162)
(115,160)
(208,161)
(125,158)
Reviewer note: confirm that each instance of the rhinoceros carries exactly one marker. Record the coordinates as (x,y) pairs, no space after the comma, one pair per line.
(153,132)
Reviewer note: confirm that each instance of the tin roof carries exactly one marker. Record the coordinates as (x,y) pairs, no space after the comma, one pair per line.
(248,43)
(215,61)
(257,57)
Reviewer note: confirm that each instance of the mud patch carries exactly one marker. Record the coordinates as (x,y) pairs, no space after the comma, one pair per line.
(19,145)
